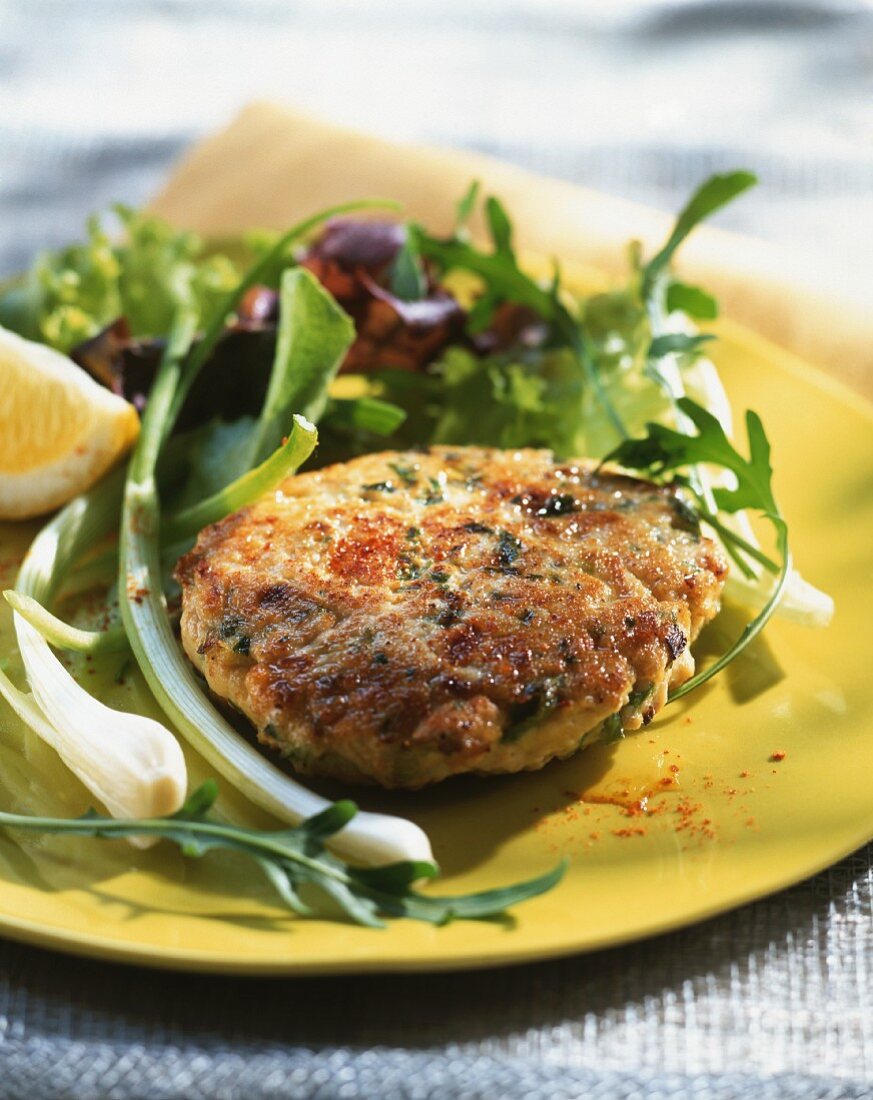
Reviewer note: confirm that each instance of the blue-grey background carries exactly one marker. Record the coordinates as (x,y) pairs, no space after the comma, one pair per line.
(643,99)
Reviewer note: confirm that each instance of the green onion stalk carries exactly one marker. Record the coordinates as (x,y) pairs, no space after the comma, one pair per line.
(371,838)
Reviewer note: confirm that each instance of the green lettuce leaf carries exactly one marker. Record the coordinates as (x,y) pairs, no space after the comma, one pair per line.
(314,335)
(70,295)
(506,402)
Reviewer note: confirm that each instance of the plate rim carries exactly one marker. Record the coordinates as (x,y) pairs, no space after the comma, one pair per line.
(183,960)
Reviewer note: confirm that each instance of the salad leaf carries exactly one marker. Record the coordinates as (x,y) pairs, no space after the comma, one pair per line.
(72,294)
(408,281)
(711,196)
(506,401)
(691,300)
(296,862)
(504,281)
(234,385)
(433,311)
(254,276)
(465,207)
(151,254)
(364,414)
(210,457)
(671,342)
(314,336)
(352,243)
(663,450)
(284,461)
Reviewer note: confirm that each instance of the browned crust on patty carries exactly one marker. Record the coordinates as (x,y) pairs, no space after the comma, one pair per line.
(406,616)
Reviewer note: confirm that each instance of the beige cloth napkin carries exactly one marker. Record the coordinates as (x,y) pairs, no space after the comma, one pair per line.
(272,166)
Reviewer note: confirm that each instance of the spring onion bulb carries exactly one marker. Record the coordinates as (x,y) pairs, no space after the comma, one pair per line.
(132,764)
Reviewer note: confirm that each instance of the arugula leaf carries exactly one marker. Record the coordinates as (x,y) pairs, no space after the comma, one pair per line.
(465,207)
(672,342)
(504,280)
(314,335)
(712,195)
(500,227)
(407,280)
(363,414)
(296,859)
(481,313)
(500,273)
(664,450)
(692,300)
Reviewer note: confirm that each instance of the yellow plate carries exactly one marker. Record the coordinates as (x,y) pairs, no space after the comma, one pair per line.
(725,823)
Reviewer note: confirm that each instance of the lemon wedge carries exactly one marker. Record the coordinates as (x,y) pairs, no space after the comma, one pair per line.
(59,430)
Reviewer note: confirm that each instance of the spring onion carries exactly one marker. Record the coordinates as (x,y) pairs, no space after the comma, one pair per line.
(284,461)
(131,763)
(372,838)
(63,636)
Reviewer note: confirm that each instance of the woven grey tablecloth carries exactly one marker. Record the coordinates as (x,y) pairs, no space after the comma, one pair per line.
(643,99)
(770,1001)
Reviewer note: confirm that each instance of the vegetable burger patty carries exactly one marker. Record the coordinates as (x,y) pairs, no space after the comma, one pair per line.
(407,616)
